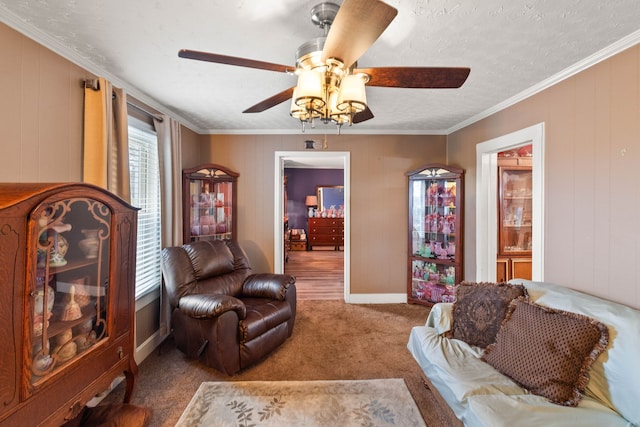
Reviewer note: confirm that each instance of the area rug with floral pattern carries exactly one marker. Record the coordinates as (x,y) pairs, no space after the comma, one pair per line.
(380,402)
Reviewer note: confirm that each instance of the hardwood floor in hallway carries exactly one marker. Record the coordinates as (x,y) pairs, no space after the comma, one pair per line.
(319,273)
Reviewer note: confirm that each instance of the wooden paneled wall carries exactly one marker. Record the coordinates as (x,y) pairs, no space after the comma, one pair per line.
(592,175)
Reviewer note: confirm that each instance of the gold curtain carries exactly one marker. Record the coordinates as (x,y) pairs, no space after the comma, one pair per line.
(170,159)
(106,140)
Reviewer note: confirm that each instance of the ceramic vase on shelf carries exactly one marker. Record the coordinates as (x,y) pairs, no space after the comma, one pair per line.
(39,300)
(60,245)
(58,251)
(41,314)
(90,244)
(311,212)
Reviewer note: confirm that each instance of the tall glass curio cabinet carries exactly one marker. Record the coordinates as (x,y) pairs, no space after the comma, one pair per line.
(209,203)
(435,233)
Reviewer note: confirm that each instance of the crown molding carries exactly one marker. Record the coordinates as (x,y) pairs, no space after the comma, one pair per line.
(35,34)
(324,131)
(606,53)
(73,56)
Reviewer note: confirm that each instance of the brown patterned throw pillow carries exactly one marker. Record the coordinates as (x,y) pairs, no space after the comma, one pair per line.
(479,310)
(547,351)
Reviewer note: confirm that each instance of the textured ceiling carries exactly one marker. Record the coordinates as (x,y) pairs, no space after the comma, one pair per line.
(513,48)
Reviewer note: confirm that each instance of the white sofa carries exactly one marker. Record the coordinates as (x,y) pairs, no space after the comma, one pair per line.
(479,395)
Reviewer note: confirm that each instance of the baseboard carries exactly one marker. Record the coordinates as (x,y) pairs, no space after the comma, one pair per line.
(377,298)
(145,349)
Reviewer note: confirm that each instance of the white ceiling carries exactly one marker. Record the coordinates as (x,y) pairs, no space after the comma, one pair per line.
(513,47)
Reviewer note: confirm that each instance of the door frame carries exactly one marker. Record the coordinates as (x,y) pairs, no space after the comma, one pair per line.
(487,206)
(281,157)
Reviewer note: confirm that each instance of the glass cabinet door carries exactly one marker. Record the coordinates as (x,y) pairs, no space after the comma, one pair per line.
(434,218)
(209,203)
(68,296)
(435,233)
(515,211)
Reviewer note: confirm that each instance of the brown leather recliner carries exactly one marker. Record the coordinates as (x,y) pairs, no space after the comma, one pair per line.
(220,311)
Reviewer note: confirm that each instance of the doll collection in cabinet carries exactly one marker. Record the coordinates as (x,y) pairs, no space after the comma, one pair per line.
(435,233)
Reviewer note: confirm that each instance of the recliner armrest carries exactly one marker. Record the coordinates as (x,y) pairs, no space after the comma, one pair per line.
(207,306)
(267,285)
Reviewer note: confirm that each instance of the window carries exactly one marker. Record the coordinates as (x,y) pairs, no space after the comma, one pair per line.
(145,194)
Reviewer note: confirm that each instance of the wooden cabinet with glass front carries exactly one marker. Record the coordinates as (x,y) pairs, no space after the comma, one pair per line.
(514,221)
(435,233)
(67,278)
(209,203)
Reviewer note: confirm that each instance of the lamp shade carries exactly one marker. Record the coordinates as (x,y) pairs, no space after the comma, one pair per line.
(352,94)
(311,201)
(337,115)
(309,89)
(296,111)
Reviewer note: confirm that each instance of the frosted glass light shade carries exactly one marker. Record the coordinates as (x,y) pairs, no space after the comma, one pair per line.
(352,94)
(296,111)
(309,90)
(336,115)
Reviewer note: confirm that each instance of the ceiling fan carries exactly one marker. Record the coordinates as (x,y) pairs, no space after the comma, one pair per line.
(330,86)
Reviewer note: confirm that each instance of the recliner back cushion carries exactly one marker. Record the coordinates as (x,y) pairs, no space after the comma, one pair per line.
(177,273)
(210,258)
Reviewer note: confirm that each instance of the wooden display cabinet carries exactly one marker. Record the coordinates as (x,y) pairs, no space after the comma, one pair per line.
(512,268)
(209,203)
(435,233)
(67,279)
(514,222)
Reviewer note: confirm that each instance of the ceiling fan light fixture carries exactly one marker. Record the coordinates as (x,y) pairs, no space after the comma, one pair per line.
(352,97)
(309,92)
(328,93)
(296,111)
(337,116)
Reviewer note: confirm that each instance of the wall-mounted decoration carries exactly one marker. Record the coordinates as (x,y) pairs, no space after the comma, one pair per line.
(330,198)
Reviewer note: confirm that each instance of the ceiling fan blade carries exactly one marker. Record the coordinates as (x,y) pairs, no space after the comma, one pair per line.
(416,77)
(234,60)
(363,115)
(271,101)
(357,25)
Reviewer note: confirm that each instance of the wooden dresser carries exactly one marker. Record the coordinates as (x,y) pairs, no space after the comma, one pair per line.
(326,232)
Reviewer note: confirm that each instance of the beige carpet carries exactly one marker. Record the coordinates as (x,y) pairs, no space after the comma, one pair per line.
(372,403)
(331,340)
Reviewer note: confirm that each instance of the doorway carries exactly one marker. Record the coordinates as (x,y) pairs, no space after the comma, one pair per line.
(318,159)
(486,208)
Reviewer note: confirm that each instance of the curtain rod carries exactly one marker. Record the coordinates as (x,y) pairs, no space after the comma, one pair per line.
(148,113)
(93,84)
